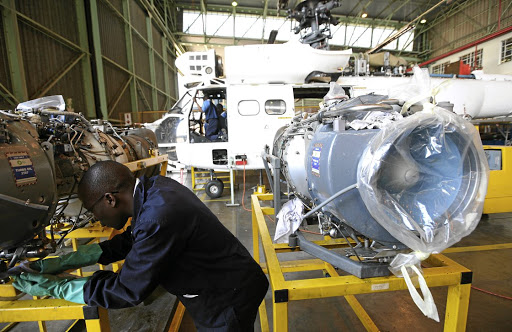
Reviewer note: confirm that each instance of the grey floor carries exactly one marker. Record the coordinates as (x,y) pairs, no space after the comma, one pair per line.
(394,311)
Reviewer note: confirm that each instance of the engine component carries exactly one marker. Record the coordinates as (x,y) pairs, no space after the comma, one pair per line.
(314,17)
(421,178)
(43,154)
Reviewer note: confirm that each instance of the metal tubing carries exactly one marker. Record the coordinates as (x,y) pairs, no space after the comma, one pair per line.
(360,270)
(232,188)
(267,170)
(319,206)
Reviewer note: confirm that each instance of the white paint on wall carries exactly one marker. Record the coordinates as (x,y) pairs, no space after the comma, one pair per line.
(491,56)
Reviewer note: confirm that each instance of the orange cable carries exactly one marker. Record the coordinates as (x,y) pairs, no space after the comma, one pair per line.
(491,293)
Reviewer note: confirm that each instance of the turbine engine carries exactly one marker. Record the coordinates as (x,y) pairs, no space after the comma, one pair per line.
(389,180)
(43,154)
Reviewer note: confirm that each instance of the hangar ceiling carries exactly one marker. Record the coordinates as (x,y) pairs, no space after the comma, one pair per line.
(389,15)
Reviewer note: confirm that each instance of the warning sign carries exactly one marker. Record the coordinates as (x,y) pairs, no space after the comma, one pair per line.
(22,168)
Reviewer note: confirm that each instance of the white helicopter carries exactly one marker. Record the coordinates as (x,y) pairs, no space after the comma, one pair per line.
(257,104)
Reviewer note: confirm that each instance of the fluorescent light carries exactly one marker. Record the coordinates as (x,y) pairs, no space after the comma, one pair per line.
(423,21)
(364,15)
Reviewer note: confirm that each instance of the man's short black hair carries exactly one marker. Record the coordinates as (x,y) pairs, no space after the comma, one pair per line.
(103,177)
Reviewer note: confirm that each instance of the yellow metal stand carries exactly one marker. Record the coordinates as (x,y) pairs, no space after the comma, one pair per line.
(441,272)
(41,310)
(96,318)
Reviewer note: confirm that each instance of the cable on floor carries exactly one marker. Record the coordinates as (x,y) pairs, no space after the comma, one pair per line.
(491,293)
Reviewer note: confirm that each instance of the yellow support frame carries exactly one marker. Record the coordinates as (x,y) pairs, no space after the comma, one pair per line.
(96,318)
(41,310)
(442,271)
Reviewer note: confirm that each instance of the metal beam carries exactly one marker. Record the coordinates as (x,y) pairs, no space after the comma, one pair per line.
(265,11)
(159,21)
(444,14)
(113,106)
(409,26)
(54,80)
(353,8)
(151,54)
(99,78)
(166,73)
(203,17)
(14,54)
(137,78)
(83,43)
(6,93)
(215,33)
(129,54)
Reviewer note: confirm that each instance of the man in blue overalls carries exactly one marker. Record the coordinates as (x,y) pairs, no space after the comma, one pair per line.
(174,241)
(211,126)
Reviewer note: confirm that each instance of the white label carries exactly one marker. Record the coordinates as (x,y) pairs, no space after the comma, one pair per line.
(127,119)
(380,286)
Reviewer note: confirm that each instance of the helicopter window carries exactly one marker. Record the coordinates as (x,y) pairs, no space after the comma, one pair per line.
(248,107)
(172,130)
(275,107)
(182,105)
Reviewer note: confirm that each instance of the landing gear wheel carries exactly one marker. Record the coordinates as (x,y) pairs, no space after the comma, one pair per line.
(214,188)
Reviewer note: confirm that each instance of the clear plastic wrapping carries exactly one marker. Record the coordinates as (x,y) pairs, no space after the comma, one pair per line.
(424,179)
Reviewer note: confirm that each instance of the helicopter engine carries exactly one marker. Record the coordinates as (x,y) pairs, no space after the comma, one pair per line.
(388,179)
(43,154)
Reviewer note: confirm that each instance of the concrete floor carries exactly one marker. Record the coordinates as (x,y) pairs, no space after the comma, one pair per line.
(394,311)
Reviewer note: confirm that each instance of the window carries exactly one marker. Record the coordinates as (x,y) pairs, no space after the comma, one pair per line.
(439,69)
(275,106)
(248,107)
(493,159)
(506,50)
(469,59)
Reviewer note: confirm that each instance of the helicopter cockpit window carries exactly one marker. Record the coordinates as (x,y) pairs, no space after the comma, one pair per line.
(275,107)
(172,130)
(182,105)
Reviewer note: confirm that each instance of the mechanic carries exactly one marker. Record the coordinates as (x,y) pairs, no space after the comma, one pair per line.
(211,127)
(174,241)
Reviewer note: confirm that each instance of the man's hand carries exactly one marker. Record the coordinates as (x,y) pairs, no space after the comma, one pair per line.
(70,289)
(84,256)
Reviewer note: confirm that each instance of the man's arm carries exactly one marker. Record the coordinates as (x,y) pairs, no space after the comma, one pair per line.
(116,248)
(195,101)
(155,243)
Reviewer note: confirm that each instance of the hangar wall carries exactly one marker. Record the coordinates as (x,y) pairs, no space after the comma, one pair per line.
(107,57)
(466,23)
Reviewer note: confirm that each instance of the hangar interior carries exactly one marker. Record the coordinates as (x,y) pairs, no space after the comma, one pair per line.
(361,131)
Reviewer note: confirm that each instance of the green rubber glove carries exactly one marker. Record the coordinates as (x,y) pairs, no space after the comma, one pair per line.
(70,289)
(84,256)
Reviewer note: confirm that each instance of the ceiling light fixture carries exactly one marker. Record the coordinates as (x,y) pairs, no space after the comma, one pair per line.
(423,21)
(234,4)
(364,15)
